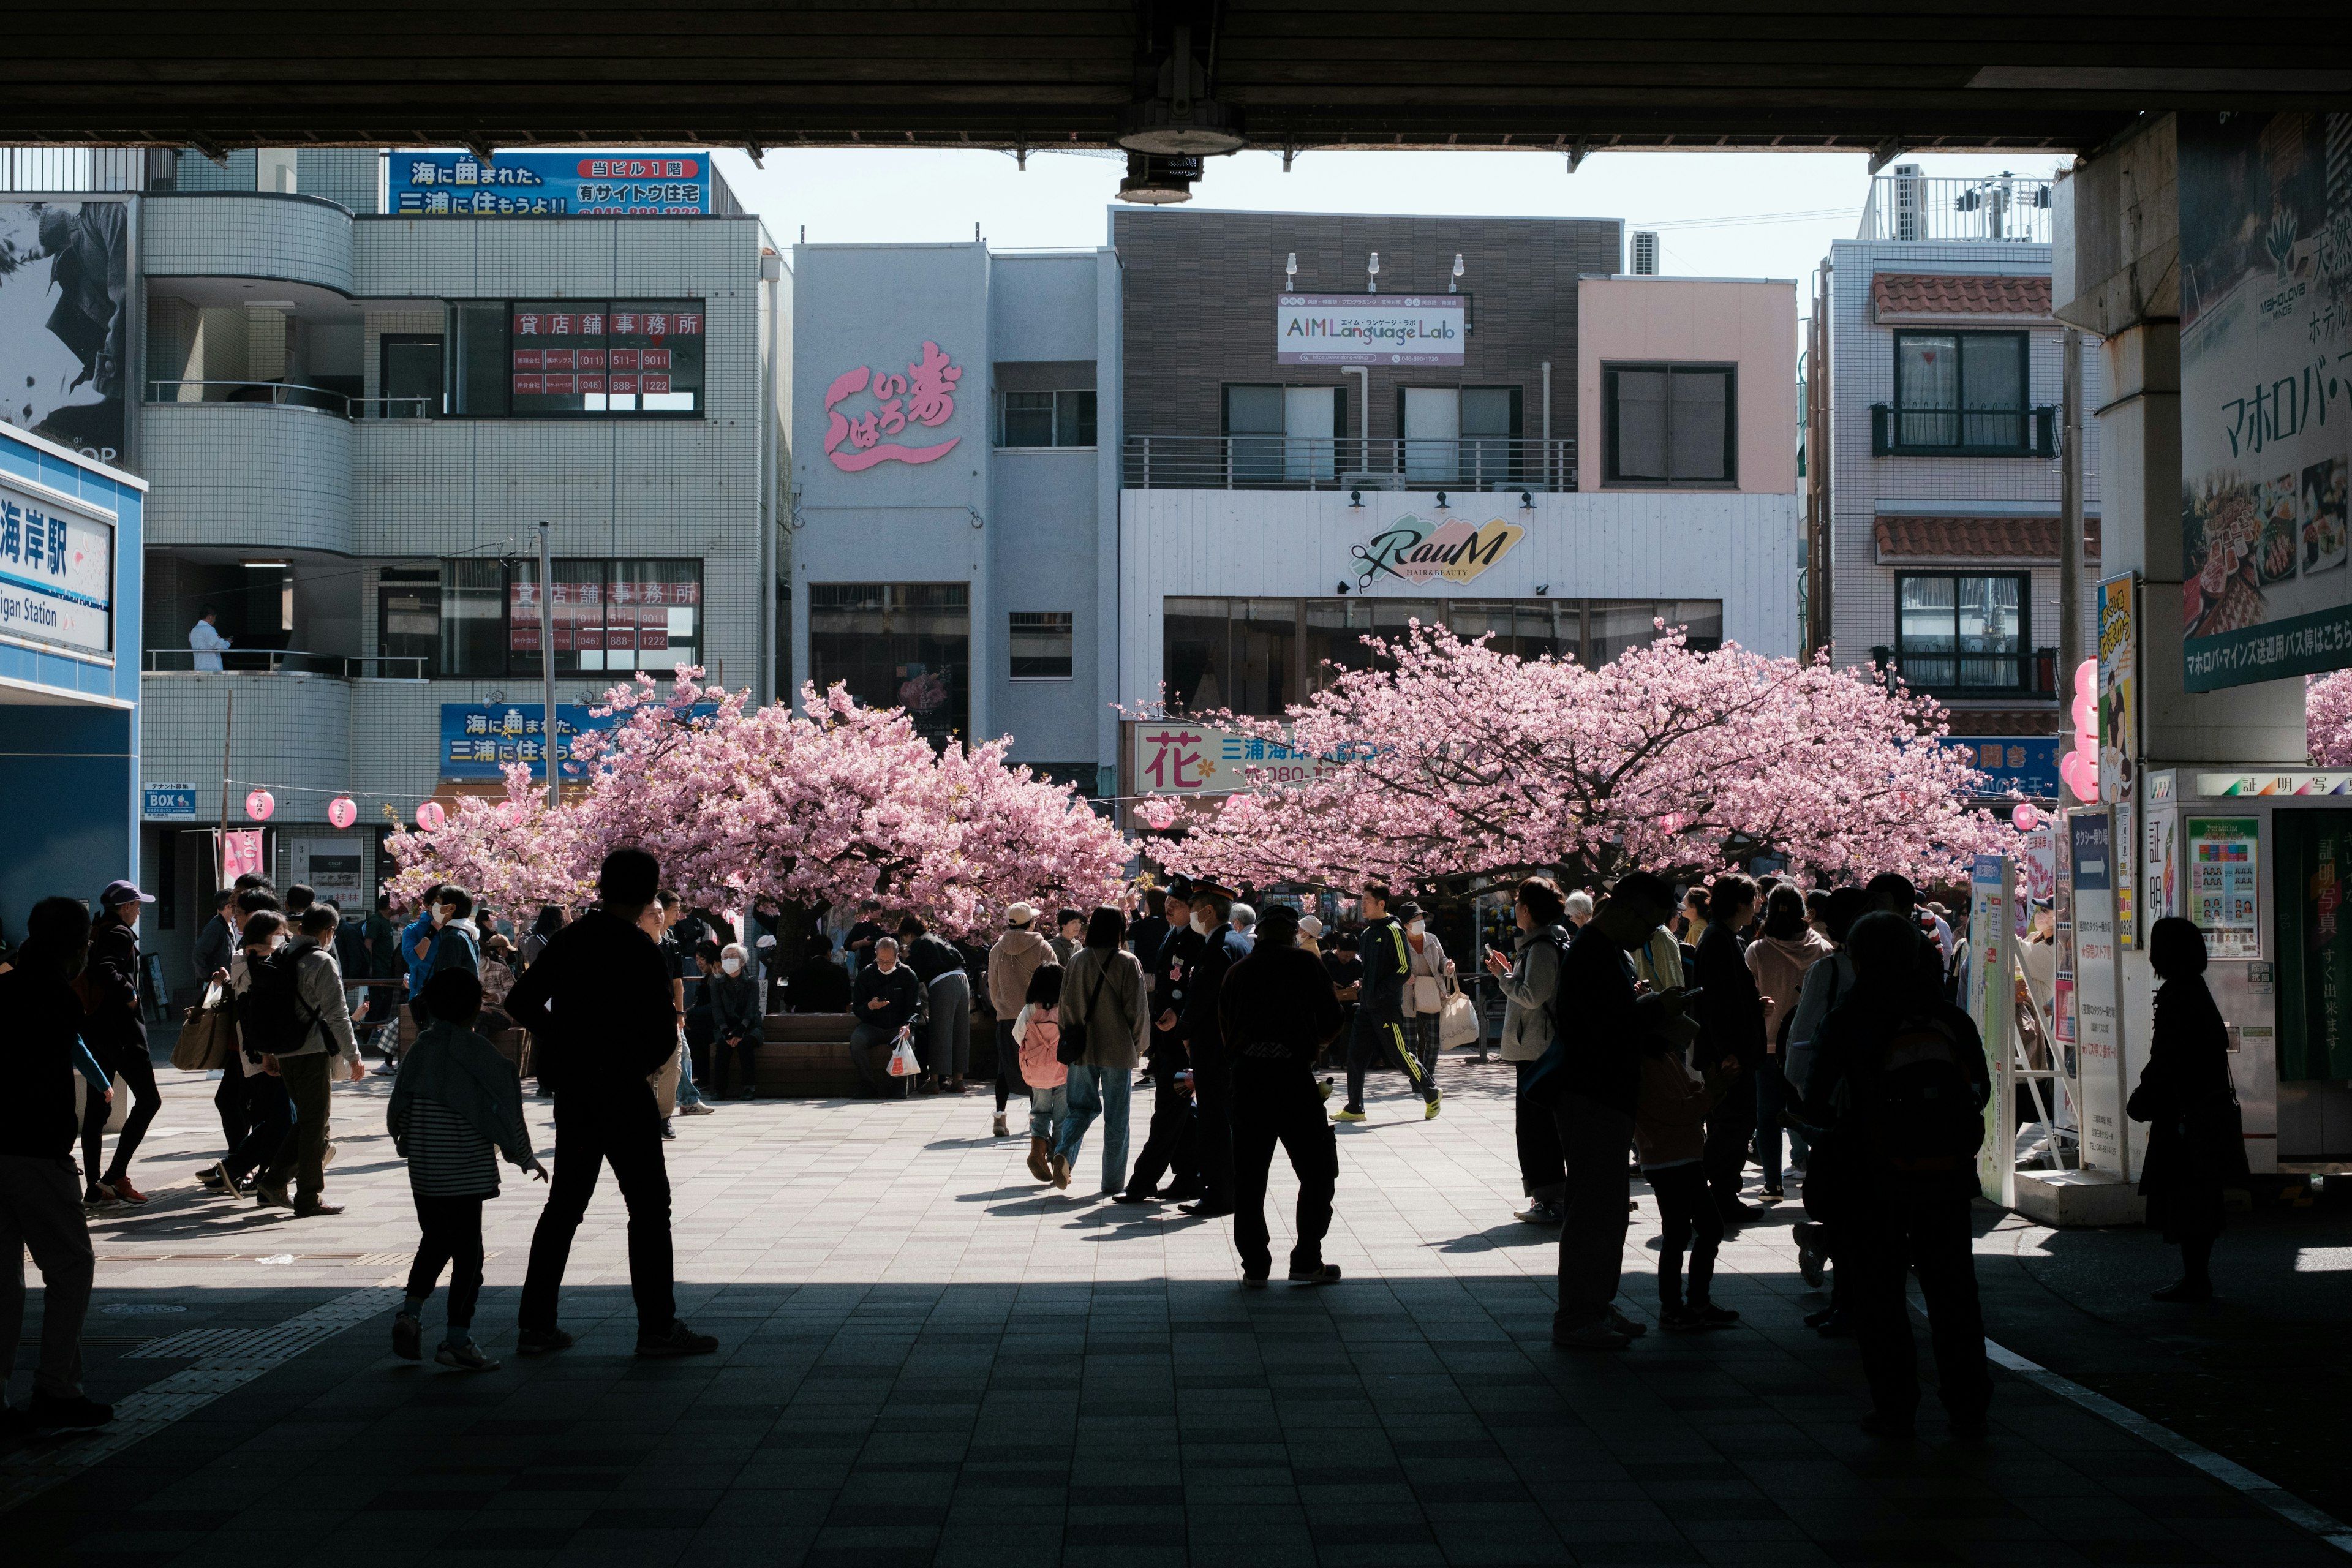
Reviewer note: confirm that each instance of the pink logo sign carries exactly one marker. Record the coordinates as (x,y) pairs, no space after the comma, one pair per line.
(924,395)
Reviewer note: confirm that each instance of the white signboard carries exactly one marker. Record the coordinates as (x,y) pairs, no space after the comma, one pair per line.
(1181,758)
(1992,1001)
(1371,329)
(2099,1040)
(56,569)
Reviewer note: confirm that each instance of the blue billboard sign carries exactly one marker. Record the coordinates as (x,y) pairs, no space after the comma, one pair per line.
(2026,763)
(570,183)
(479,741)
(168,802)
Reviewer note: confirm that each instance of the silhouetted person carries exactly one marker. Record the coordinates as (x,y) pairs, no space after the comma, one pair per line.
(599,1001)
(1898,1089)
(1276,1010)
(1213,1079)
(1171,1144)
(1731,1028)
(2196,1142)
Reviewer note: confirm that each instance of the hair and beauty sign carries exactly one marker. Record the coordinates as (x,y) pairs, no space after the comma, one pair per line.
(56,569)
(2265,396)
(569,184)
(1371,329)
(1417,550)
(865,409)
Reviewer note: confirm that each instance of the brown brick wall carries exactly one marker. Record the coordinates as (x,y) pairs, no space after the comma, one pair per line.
(1198,292)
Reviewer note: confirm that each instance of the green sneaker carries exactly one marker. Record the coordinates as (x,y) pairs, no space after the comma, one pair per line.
(1429,1112)
(1347,1113)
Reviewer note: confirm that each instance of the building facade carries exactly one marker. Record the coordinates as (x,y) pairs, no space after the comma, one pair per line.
(354,421)
(1944,379)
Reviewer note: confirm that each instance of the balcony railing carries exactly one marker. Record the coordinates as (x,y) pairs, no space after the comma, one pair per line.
(1963,433)
(291,394)
(2000,206)
(1327,463)
(285,661)
(1965,672)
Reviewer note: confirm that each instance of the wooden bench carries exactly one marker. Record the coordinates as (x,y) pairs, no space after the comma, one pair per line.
(806,1054)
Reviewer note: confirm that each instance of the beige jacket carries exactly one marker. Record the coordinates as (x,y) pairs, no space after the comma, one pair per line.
(1011,963)
(1116,1021)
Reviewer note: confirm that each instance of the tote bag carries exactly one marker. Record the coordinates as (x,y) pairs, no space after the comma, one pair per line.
(1457,1020)
(902,1060)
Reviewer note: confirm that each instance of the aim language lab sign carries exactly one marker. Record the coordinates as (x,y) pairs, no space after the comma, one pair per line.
(1371,329)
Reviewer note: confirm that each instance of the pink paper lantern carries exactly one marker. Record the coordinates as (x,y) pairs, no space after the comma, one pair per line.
(343,811)
(431,817)
(259,805)
(2024,818)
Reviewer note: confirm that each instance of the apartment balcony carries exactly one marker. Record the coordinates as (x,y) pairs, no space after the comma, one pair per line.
(248,234)
(1963,433)
(1469,463)
(285,727)
(1904,207)
(250,464)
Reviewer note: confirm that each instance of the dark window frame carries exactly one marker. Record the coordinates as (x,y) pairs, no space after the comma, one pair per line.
(1046,621)
(1895,437)
(1080,418)
(2022,659)
(1728,369)
(453,368)
(439,400)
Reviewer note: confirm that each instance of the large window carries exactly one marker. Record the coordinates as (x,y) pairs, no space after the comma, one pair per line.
(552,358)
(1666,425)
(1961,391)
(1065,418)
(408,623)
(609,615)
(1285,433)
(1459,435)
(896,645)
(1259,655)
(1040,644)
(412,376)
(1962,633)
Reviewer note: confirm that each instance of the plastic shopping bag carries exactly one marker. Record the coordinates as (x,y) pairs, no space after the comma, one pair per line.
(902,1060)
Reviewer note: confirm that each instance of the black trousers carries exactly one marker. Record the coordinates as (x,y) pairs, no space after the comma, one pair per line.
(130,1059)
(1278,1101)
(269,1122)
(1212,1131)
(1168,1145)
(1686,1211)
(1008,1066)
(229,1101)
(1897,1231)
(1730,1128)
(451,1234)
(1371,1041)
(1593,1136)
(1543,1169)
(745,1059)
(623,1126)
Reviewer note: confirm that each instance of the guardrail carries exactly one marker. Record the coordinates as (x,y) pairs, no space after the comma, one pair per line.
(293,395)
(1324,462)
(285,661)
(1998,206)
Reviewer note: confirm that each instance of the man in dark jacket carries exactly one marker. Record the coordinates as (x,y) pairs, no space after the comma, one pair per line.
(819,984)
(117,1033)
(1171,1144)
(1590,1076)
(886,996)
(1379,1028)
(1730,1015)
(1213,1079)
(38,1210)
(598,1001)
(217,941)
(1149,930)
(1900,1152)
(1276,1011)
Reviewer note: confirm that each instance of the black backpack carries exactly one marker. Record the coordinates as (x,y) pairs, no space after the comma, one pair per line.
(1920,1110)
(270,1017)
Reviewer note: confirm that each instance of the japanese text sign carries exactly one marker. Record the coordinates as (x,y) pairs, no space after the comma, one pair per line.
(891,403)
(1371,329)
(56,569)
(548,184)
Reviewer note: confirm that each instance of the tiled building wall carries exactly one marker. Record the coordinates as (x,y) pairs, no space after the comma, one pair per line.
(1862,486)
(290,733)
(251,235)
(1199,305)
(249,474)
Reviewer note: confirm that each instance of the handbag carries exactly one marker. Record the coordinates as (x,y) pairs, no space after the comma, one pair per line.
(1457,1020)
(207,1034)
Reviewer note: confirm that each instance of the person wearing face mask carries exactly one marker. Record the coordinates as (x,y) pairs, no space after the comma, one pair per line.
(116,1037)
(416,962)
(1379,1029)
(946,1044)
(734,993)
(456,945)
(1169,1146)
(1427,969)
(1205,1046)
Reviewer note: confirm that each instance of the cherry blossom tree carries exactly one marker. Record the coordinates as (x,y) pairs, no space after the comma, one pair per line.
(1468,766)
(2328,719)
(766,807)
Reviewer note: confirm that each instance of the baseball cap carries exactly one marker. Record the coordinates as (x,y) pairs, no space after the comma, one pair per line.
(120,892)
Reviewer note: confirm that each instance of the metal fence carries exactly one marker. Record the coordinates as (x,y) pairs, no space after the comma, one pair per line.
(1998,206)
(34,169)
(287,661)
(292,395)
(1312,462)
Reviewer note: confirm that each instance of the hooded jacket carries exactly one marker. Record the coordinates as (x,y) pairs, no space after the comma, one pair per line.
(1528,992)
(1779,964)
(1011,963)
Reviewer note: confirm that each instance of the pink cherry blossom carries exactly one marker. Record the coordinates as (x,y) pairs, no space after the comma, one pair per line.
(2328,719)
(1469,766)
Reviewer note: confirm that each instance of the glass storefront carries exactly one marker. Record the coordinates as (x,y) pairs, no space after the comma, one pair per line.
(896,645)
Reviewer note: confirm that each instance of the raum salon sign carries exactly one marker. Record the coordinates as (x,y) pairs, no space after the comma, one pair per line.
(1416,549)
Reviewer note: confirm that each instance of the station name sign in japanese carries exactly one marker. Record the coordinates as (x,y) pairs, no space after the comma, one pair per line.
(1371,329)
(56,569)
(2265,396)
(548,184)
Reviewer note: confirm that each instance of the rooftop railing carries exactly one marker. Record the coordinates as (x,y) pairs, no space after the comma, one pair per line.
(293,395)
(1998,206)
(285,661)
(1470,463)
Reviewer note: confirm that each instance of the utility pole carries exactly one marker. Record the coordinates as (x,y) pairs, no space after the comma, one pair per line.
(550,746)
(2070,539)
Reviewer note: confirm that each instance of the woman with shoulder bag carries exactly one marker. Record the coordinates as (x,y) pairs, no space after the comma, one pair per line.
(2196,1143)
(1427,971)
(1104,1016)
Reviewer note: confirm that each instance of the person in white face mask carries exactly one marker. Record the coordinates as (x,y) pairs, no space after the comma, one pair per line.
(1428,972)
(733,997)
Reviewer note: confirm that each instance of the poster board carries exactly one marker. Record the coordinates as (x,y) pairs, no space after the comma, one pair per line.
(2098,990)
(1992,1002)
(2225,853)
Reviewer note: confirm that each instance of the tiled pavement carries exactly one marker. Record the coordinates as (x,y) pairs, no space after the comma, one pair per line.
(928,1359)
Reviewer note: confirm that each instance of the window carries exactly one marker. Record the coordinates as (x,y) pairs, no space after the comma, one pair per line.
(1459,435)
(1961,634)
(408,624)
(411,374)
(549,358)
(1664,425)
(1046,418)
(1285,433)
(1259,655)
(609,615)
(1040,644)
(1960,391)
(896,645)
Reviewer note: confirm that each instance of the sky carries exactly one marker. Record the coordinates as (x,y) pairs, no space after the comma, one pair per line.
(1719,215)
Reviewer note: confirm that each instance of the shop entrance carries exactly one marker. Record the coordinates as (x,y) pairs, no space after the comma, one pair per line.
(2315,981)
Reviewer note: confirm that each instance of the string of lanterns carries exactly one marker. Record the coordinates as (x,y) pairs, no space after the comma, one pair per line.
(343,811)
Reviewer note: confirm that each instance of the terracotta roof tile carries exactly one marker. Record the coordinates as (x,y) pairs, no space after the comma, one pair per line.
(1898,294)
(2019,538)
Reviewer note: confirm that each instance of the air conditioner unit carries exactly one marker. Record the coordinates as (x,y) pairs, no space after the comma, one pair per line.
(1645,253)
(1907,197)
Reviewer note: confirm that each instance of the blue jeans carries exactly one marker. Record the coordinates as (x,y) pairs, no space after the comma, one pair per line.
(687,1093)
(1047,1106)
(1771,1098)
(1104,1092)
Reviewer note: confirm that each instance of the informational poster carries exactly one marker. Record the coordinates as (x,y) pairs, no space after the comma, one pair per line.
(2036,875)
(2099,1044)
(2128,925)
(2062,998)
(2118,686)
(1992,1002)
(569,184)
(2223,854)
(65,321)
(2265,396)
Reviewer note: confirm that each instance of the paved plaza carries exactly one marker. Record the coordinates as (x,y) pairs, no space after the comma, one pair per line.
(927,1358)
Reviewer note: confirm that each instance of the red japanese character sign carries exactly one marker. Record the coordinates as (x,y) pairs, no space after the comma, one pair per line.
(924,395)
